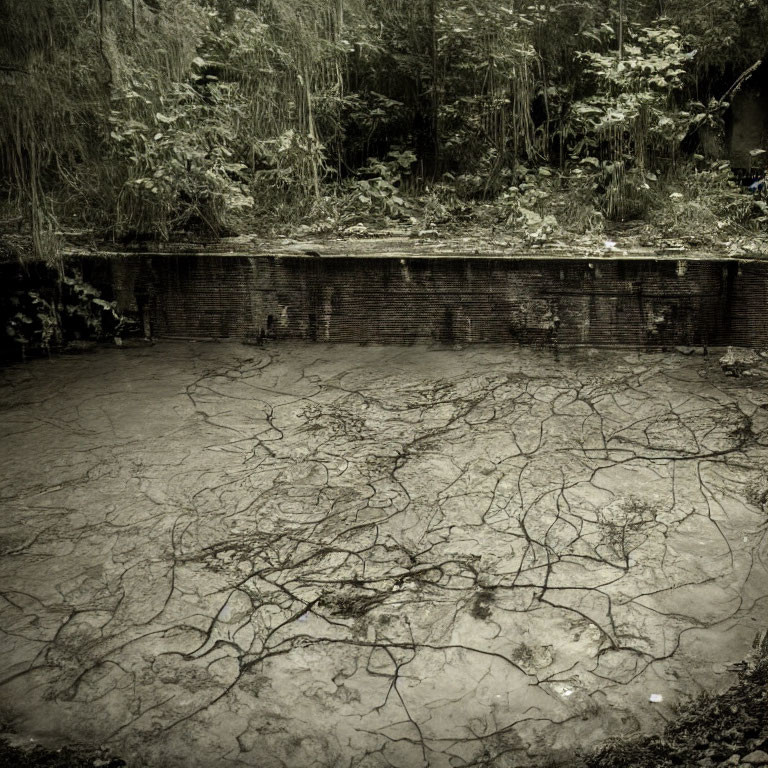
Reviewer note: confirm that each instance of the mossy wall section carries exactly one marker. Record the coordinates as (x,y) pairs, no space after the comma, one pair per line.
(605,302)
(385,300)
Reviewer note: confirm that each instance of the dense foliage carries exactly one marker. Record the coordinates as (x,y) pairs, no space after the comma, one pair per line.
(154,117)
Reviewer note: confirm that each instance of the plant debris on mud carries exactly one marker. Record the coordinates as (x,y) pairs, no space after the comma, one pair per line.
(728,729)
(73,756)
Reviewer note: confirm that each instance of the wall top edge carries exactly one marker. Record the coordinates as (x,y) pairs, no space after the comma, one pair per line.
(404,247)
(416,256)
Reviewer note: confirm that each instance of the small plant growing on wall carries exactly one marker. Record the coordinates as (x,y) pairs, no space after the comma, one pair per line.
(87,305)
(36,324)
(71,310)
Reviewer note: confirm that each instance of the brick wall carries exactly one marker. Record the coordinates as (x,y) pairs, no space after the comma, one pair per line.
(631,302)
(604,302)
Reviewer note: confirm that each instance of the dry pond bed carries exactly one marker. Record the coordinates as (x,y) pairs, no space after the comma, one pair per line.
(303,555)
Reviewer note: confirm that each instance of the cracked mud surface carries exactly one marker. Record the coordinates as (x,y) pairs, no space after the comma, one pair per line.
(215,554)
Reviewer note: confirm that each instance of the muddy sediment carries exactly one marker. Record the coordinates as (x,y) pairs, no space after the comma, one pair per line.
(374,556)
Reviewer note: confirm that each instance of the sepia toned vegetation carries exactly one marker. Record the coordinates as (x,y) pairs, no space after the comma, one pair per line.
(135,118)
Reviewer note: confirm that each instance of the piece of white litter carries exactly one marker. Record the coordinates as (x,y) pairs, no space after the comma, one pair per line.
(655,698)
(610,244)
(303,617)
(567,692)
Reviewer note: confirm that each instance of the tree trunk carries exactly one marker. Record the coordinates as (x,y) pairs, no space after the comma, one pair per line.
(435,101)
(620,34)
